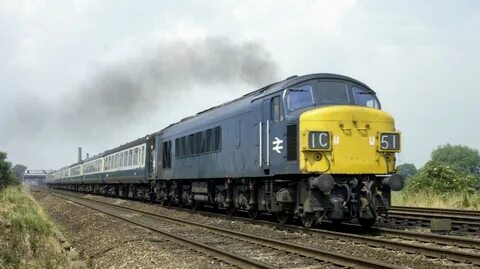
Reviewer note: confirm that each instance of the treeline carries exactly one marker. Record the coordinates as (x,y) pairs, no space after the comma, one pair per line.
(451,170)
(10,175)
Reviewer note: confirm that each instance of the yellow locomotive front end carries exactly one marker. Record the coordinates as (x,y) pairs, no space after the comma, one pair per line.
(349,151)
(346,147)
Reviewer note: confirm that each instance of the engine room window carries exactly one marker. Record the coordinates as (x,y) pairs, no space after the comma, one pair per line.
(206,141)
(218,138)
(198,143)
(209,140)
(276,109)
(191,144)
(299,97)
(167,151)
(331,92)
(177,147)
(365,98)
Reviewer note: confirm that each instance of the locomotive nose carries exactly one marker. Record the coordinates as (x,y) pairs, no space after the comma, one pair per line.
(349,139)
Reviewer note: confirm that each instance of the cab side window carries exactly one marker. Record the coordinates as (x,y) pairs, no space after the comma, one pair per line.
(276,111)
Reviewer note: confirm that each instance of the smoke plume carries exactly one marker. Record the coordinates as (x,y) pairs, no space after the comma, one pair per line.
(122,92)
(127,90)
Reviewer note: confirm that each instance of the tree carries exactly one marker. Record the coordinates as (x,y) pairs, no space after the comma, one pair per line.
(18,171)
(440,178)
(461,158)
(6,176)
(407,170)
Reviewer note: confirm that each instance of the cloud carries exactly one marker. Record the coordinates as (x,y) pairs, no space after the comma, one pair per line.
(317,17)
(120,94)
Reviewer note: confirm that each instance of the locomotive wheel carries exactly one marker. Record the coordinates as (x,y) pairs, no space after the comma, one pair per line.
(230,210)
(282,217)
(308,219)
(366,223)
(253,213)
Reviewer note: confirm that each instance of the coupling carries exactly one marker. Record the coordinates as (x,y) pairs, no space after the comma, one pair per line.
(395,182)
(324,182)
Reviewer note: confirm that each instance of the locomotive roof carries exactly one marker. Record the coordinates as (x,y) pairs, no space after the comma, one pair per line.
(275,87)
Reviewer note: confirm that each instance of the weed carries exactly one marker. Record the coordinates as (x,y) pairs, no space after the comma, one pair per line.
(26,234)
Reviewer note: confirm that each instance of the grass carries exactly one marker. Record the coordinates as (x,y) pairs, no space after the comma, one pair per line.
(26,234)
(430,199)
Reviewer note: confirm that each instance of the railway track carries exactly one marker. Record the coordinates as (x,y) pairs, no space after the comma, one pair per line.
(458,249)
(463,221)
(442,211)
(236,248)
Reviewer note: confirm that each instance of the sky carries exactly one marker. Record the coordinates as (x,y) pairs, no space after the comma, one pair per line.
(97,74)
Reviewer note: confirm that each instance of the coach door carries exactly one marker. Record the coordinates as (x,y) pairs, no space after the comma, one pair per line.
(272,135)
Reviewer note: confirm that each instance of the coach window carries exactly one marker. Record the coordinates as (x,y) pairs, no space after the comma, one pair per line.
(135,156)
(299,97)
(276,109)
(130,157)
(125,158)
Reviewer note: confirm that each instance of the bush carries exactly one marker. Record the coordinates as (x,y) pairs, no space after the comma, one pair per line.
(440,179)
(407,170)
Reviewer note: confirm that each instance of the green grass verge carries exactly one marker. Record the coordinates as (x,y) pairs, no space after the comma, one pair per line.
(26,234)
(429,199)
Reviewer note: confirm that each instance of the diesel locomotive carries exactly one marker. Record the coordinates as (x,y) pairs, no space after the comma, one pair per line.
(314,147)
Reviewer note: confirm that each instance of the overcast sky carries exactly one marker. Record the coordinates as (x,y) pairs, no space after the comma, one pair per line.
(152,63)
